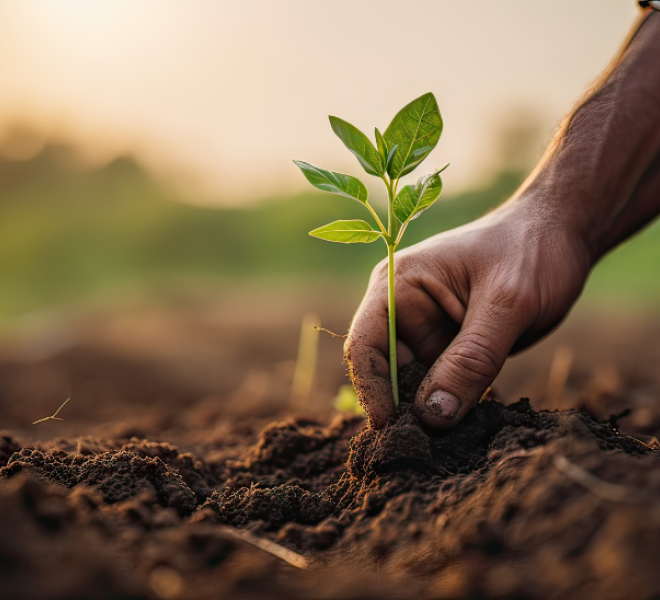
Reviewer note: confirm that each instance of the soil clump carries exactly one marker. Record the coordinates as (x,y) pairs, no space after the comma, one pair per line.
(510,503)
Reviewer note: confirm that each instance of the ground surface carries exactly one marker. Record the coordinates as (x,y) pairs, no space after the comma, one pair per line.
(179,435)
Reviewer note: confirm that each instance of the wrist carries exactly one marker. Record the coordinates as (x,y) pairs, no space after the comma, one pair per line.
(590,179)
(542,212)
(574,208)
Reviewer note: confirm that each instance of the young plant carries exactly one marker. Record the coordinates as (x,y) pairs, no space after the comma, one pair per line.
(407,141)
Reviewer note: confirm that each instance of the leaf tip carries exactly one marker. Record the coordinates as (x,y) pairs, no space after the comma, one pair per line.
(335,123)
(429,95)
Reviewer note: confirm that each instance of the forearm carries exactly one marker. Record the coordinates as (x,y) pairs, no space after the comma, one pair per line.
(598,177)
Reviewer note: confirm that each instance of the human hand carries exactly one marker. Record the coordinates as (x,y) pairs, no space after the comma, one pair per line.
(465,300)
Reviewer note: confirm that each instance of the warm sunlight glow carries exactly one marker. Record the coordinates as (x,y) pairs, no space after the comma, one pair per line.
(208,91)
(81,12)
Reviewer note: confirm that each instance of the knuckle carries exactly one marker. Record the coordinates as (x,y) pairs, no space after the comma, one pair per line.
(474,358)
(403,264)
(379,272)
(408,271)
(515,295)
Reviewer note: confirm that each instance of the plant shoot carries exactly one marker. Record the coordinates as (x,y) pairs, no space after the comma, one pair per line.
(407,141)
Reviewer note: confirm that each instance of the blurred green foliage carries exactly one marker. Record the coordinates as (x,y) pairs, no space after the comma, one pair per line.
(66,233)
(346,400)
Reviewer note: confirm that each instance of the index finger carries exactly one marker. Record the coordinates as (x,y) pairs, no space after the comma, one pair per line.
(366,353)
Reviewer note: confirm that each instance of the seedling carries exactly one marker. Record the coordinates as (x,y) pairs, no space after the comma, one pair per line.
(408,140)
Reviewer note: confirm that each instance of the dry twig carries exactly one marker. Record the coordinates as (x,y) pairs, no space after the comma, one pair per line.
(484,396)
(520,454)
(288,556)
(332,333)
(612,492)
(54,416)
(652,444)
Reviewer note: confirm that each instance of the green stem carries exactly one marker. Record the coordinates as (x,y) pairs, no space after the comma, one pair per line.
(374,214)
(390,206)
(391,323)
(391,304)
(402,230)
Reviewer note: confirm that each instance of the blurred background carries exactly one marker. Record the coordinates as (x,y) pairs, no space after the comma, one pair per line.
(153,229)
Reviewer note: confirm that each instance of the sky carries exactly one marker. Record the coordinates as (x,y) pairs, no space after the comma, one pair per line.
(219,95)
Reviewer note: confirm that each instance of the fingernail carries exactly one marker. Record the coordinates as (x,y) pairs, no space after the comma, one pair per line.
(443,404)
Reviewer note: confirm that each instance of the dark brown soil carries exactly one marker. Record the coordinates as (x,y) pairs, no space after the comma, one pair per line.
(479,511)
(512,503)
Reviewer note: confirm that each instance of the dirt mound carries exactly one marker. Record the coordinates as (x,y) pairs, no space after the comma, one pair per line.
(511,503)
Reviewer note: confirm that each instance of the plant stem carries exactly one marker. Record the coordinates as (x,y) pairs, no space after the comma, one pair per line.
(391,323)
(375,216)
(391,303)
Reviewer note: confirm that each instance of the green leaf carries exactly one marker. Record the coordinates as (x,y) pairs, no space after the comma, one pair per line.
(347,232)
(335,183)
(412,200)
(416,129)
(386,155)
(390,157)
(359,144)
(382,146)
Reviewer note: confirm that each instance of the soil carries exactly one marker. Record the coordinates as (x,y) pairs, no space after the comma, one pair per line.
(512,503)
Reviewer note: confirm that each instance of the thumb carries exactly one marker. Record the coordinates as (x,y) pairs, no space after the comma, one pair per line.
(459,377)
